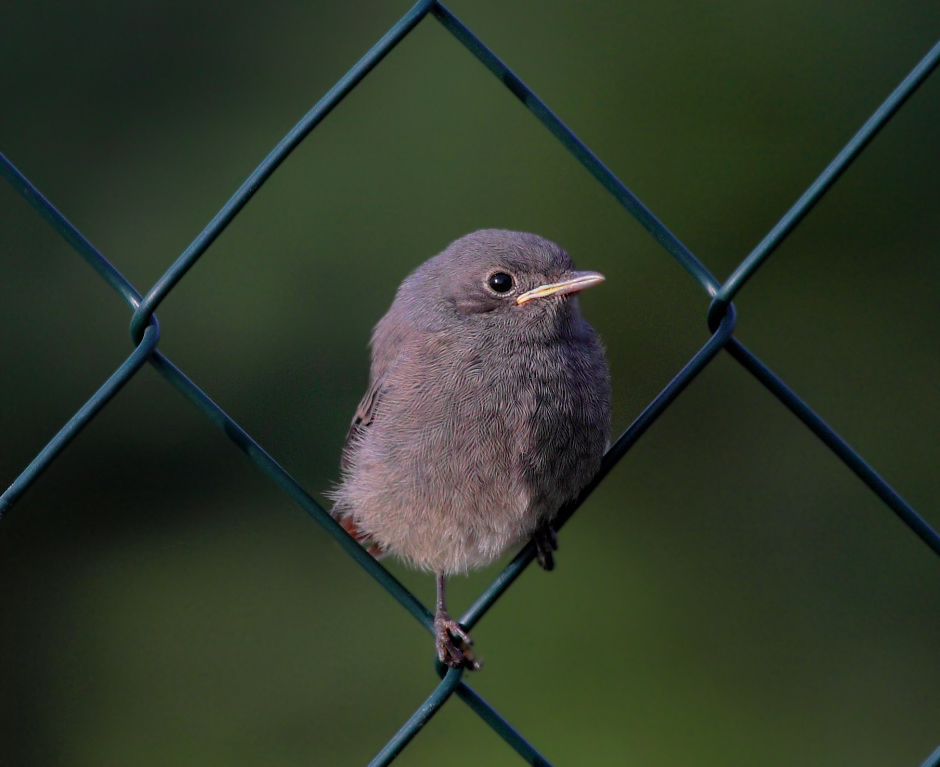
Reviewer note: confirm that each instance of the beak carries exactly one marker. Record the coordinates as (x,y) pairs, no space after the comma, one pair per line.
(575,282)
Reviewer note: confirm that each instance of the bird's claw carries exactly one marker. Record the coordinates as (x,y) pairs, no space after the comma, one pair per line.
(546,542)
(456,654)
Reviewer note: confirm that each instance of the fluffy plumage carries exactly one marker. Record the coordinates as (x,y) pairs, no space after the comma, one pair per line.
(483,415)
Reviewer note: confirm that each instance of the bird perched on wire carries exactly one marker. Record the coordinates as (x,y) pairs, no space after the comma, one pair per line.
(488,408)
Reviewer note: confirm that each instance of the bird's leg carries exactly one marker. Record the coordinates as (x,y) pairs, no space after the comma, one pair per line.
(545,542)
(454,654)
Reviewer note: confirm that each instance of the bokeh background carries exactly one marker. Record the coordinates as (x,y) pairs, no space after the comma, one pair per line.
(732,594)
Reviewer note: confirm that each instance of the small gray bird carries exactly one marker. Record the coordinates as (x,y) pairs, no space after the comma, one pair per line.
(488,408)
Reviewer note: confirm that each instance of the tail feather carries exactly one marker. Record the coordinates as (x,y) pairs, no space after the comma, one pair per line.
(349,525)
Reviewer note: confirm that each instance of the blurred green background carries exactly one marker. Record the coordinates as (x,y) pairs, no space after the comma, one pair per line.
(732,595)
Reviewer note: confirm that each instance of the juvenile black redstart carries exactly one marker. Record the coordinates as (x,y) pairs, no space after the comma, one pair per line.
(488,408)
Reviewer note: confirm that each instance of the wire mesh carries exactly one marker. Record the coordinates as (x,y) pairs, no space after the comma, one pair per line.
(721,319)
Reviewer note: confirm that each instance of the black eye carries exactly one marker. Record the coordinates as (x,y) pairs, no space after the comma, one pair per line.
(500,282)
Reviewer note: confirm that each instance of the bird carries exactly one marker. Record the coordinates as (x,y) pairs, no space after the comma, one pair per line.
(487,410)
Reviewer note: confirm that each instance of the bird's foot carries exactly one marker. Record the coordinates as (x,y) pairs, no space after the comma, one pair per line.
(453,643)
(546,542)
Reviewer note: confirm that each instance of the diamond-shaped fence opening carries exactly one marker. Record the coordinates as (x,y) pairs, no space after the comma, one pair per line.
(721,320)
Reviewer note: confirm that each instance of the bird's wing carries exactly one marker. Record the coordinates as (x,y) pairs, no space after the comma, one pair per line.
(388,338)
(364,416)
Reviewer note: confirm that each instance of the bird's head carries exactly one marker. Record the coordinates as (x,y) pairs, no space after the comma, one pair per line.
(498,276)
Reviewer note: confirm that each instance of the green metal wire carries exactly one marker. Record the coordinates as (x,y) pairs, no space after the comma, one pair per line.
(68,232)
(577,147)
(78,421)
(420,718)
(721,320)
(933,760)
(261,174)
(835,443)
(486,712)
(821,185)
(146,351)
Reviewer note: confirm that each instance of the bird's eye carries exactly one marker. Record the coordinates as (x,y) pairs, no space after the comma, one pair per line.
(500,282)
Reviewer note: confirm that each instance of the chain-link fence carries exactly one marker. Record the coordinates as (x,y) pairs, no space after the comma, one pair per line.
(721,320)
